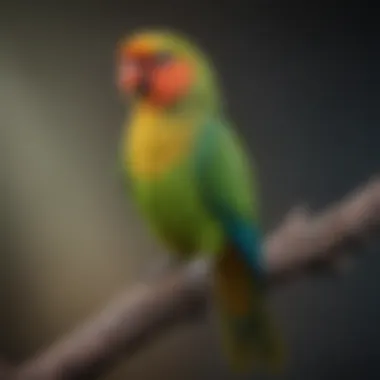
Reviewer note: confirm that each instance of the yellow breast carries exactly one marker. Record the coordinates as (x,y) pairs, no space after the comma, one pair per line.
(154,143)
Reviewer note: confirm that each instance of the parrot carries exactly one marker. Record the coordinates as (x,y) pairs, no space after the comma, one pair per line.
(194,186)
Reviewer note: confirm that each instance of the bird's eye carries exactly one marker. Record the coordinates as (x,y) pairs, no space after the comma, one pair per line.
(163,57)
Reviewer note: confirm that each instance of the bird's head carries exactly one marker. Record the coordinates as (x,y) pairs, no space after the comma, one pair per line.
(163,69)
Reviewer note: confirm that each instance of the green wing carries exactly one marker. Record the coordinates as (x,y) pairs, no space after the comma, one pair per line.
(226,183)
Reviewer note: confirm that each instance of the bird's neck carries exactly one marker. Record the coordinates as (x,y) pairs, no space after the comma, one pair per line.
(155,140)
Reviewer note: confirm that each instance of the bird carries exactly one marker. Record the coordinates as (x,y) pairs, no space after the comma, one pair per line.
(189,174)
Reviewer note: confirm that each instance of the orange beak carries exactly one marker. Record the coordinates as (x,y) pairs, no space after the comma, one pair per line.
(129,75)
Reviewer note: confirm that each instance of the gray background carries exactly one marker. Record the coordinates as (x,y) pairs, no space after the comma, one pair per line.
(302,84)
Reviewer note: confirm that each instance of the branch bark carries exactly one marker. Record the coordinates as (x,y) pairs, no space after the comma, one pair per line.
(303,241)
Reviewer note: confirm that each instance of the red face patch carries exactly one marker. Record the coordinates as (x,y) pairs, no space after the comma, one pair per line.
(161,78)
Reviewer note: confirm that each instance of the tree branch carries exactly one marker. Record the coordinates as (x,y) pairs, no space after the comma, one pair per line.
(300,243)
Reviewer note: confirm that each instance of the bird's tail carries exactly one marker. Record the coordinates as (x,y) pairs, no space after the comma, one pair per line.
(249,338)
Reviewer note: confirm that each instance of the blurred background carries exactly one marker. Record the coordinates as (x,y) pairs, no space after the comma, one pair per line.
(302,83)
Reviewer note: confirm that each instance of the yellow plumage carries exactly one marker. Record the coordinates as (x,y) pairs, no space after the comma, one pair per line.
(154,142)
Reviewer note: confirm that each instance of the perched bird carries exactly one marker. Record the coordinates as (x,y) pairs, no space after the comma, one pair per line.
(193,182)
